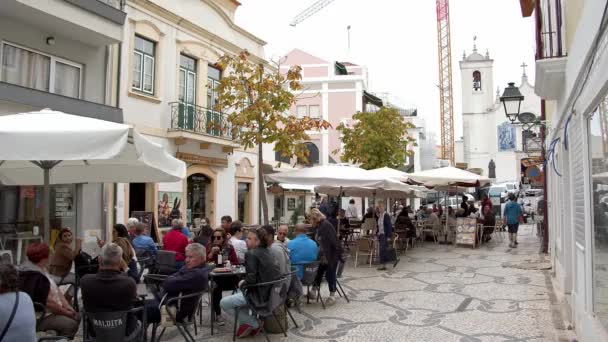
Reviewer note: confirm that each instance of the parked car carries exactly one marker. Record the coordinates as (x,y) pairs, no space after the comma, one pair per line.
(498,194)
(534,192)
(512,188)
(453,201)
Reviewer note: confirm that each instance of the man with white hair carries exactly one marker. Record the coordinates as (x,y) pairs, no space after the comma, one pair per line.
(111,276)
(193,277)
(132,223)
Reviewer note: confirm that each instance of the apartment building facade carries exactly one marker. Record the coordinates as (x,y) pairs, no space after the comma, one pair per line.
(62,55)
(571,58)
(171,49)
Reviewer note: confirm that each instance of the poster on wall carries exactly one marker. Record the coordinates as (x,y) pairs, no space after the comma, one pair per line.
(64,201)
(506,137)
(291,204)
(168,207)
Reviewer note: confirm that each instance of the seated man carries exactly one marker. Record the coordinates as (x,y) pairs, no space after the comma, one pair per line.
(302,249)
(261,267)
(282,234)
(110,276)
(193,277)
(236,234)
(143,243)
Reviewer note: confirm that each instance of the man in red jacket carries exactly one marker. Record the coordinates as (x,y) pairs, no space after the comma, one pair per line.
(176,241)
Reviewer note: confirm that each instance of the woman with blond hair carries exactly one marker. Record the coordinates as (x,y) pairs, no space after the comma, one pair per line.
(330,253)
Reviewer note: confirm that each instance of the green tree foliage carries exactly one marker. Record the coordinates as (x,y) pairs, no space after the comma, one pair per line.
(377,139)
(258,100)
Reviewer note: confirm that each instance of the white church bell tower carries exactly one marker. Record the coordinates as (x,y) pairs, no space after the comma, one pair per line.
(478,99)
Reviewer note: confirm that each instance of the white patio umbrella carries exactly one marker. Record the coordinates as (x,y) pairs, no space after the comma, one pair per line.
(447,176)
(447,179)
(330,175)
(49,147)
(388,172)
(392,189)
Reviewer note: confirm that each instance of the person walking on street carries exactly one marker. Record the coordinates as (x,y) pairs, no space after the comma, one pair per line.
(513,214)
(330,253)
(385,231)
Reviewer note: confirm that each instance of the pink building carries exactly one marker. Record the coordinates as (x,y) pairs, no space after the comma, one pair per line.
(333,91)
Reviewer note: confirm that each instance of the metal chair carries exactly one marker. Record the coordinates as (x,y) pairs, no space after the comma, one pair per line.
(365,247)
(428,228)
(183,316)
(278,295)
(112,326)
(165,262)
(308,278)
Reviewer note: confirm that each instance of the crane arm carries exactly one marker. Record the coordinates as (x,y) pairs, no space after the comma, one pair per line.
(311,10)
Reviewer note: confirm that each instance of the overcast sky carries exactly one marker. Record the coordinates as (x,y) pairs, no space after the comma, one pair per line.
(397,41)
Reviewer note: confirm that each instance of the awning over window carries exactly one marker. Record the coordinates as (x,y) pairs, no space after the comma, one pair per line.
(340,69)
(370,98)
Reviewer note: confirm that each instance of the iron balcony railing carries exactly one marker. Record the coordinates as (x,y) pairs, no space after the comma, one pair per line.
(551,30)
(200,120)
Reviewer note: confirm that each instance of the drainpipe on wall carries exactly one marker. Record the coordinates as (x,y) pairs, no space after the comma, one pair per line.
(539,55)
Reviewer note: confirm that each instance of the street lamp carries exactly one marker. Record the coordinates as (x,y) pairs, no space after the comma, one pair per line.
(511,100)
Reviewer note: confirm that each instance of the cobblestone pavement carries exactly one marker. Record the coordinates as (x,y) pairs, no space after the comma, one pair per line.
(437,293)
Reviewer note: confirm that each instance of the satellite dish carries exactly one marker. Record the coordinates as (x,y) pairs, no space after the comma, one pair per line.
(526,117)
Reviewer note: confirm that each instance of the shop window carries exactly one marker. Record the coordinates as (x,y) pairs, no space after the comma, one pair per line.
(598,153)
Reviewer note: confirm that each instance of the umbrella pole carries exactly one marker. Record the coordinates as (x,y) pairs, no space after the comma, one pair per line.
(46,197)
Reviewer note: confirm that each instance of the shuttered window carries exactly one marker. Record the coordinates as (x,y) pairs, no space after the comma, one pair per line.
(576,146)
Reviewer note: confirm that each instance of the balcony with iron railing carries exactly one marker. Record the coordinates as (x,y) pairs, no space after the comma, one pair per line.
(551,36)
(200,120)
(551,50)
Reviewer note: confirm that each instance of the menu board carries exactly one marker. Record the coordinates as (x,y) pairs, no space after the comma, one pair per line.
(64,201)
(466,231)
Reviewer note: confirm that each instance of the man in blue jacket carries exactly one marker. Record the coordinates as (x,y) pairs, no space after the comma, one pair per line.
(385,232)
(302,249)
(513,213)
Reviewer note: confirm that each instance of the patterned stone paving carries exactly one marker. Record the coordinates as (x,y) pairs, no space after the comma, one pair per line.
(436,293)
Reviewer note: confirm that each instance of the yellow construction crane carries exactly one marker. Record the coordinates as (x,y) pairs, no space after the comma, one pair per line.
(446,104)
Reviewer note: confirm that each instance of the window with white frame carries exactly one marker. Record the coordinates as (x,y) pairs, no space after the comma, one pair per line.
(36,70)
(301,111)
(143,65)
(313,111)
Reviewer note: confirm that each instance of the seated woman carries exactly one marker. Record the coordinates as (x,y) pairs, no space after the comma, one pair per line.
(22,327)
(404,223)
(61,261)
(488,221)
(60,316)
(220,246)
(120,236)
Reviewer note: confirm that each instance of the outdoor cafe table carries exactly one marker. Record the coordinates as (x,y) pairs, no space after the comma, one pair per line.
(236,272)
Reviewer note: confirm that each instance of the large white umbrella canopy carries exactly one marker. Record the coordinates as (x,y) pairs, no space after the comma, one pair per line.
(447,177)
(392,189)
(388,172)
(330,175)
(49,147)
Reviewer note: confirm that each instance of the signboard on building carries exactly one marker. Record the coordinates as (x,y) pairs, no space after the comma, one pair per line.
(64,201)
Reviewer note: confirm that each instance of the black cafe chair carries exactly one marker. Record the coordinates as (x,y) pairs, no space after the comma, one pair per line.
(112,326)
